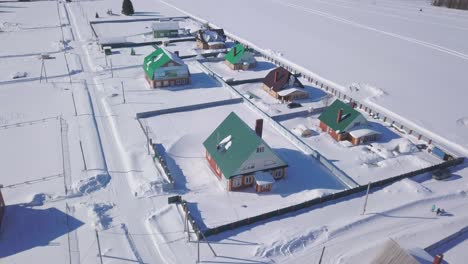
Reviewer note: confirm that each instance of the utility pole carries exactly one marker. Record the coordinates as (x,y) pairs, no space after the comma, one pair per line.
(321,256)
(365,201)
(99,246)
(74,104)
(43,70)
(112,70)
(123,92)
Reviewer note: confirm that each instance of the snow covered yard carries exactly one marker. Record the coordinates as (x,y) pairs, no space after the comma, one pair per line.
(182,135)
(260,71)
(393,154)
(274,107)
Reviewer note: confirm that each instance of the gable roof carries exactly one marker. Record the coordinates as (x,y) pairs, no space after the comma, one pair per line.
(165,25)
(392,253)
(234,58)
(242,141)
(158,58)
(329,116)
(279,79)
(211,35)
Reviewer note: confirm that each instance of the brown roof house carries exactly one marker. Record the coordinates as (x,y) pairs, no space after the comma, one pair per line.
(342,122)
(283,85)
(239,58)
(211,39)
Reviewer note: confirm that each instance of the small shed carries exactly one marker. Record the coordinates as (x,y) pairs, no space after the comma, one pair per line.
(165,29)
(239,58)
(263,181)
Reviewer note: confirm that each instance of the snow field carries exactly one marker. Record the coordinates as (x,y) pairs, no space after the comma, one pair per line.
(334,49)
(306,178)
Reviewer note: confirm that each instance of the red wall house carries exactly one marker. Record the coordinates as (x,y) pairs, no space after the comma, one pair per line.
(332,133)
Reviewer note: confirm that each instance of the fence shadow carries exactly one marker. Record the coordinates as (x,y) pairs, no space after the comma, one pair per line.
(26,227)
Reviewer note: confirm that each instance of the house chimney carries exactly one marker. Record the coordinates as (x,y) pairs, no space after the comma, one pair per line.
(259,127)
(276,76)
(438,259)
(176,53)
(340,115)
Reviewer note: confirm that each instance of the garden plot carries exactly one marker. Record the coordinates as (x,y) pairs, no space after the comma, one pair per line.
(18,43)
(390,156)
(37,145)
(203,89)
(274,107)
(182,135)
(17,15)
(260,71)
(138,30)
(31,65)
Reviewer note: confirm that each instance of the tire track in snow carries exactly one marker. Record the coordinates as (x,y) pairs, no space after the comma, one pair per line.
(358,25)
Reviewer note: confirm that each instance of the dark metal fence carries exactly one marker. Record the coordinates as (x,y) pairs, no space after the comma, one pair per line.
(317,201)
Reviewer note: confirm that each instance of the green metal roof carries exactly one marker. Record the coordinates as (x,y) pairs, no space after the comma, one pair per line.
(155,60)
(240,49)
(329,116)
(244,142)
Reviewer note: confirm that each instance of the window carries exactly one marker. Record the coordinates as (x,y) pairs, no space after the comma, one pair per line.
(249,166)
(248,179)
(260,149)
(357,124)
(236,182)
(178,81)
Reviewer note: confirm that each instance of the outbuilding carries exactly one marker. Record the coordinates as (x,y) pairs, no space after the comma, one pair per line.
(283,85)
(165,29)
(163,68)
(240,158)
(239,58)
(342,122)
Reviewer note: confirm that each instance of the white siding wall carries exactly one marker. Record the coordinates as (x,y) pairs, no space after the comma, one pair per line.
(261,161)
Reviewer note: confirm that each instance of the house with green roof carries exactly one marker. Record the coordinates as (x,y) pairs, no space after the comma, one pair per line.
(239,58)
(164,68)
(240,158)
(342,122)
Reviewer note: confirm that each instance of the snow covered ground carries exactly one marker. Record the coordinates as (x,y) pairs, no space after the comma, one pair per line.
(306,178)
(255,93)
(262,68)
(418,58)
(393,154)
(111,185)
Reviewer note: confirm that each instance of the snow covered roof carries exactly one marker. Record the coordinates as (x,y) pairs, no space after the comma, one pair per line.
(107,41)
(289,91)
(362,131)
(281,79)
(211,36)
(165,25)
(263,178)
(392,253)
